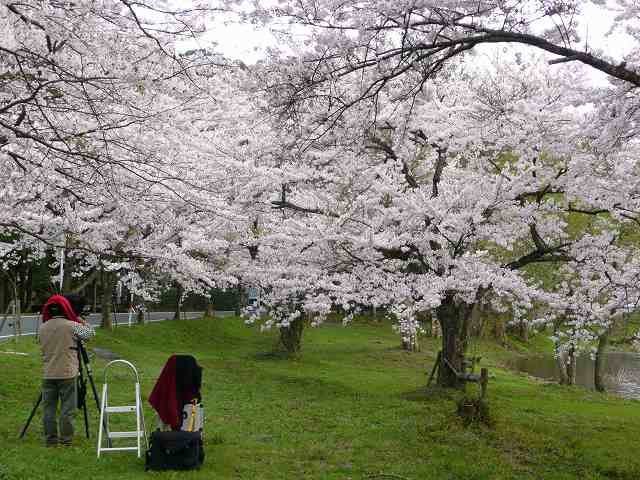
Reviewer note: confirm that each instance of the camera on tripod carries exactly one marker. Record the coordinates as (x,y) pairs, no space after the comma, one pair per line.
(78,303)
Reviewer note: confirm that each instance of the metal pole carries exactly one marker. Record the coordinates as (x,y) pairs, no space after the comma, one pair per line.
(130,309)
(61,273)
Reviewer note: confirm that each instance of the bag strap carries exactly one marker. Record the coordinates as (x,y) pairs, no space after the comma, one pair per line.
(192,420)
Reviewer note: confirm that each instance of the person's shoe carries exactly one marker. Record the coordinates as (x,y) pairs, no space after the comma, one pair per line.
(66,443)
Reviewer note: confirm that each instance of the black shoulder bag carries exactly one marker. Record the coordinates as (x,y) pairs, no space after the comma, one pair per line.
(174,450)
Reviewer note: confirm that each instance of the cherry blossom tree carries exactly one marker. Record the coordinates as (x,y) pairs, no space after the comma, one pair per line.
(408,179)
(594,293)
(380,41)
(103,149)
(384,165)
(431,204)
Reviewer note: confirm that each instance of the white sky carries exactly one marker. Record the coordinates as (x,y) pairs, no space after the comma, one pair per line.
(241,41)
(248,42)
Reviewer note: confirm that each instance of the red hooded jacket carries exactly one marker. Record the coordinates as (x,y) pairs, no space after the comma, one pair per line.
(66,307)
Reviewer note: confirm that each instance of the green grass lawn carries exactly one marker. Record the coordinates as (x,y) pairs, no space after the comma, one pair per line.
(352,407)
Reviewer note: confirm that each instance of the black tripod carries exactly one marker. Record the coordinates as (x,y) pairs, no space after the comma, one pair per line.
(83,361)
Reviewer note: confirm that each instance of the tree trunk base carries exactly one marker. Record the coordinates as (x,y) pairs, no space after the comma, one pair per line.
(410,345)
(291,337)
(599,369)
(474,411)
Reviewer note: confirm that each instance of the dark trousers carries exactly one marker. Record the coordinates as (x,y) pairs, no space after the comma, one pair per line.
(65,390)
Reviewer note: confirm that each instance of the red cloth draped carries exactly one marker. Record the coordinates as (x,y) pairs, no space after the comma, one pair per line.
(164,396)
(178,384)
(66,307)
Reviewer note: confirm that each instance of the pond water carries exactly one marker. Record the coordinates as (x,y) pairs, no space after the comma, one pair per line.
(622,371)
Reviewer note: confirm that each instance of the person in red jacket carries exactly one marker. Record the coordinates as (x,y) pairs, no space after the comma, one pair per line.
(61,329)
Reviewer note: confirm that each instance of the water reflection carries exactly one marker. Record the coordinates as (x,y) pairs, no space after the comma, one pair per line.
(622,371)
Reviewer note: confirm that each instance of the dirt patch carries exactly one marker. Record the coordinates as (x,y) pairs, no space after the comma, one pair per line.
(106,354)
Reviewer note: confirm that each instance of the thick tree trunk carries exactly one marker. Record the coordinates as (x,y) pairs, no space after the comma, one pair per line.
(454,320)
(499,328)
(598,377)
(291,336)
(26,287)
(95,295)
(140,313)
(178,310)
(561,358)
(211,308)
(561,361)
(242,299)
(17,312)
(523,330)
(410,343)
(210,311)
(108,284)
(426,321)
(476,320)
(571,366)
(67,280)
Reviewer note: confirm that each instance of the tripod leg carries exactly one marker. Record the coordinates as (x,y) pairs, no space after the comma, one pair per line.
(33,412)
(81,384)
(93,386)
(86,419)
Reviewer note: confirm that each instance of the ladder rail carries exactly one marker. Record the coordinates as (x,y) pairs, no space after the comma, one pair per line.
(102,418)
(105,410)
(138,419)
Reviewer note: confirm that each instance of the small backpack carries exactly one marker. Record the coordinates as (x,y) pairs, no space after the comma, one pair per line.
(174,450)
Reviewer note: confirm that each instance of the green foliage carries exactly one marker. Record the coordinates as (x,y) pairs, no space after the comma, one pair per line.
(168,299)
(16,76)
(55,93)
(226,299)
(630,234)
(387,200)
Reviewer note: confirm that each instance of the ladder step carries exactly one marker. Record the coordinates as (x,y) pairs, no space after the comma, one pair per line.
(133,434)
(119,449)
(123,409)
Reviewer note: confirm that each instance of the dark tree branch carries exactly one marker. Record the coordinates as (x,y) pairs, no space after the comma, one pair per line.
(279,204)
(379,144)
(537,257)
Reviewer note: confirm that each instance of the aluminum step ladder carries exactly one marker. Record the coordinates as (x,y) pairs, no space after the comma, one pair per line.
(105,410)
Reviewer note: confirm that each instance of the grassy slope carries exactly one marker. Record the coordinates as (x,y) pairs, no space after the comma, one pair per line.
(352,406)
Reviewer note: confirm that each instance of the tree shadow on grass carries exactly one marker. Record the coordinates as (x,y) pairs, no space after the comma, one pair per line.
(431,394)
(318,388)
(272,355)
